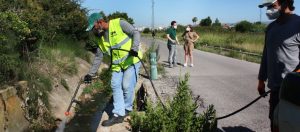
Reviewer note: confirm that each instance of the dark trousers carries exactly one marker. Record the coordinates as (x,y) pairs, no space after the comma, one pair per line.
(274,100)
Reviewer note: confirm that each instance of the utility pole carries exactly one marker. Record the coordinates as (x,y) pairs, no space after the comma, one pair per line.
(260,15)
(153,14)
(154,49)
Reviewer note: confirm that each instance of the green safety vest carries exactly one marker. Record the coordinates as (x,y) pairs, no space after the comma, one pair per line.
(118,40)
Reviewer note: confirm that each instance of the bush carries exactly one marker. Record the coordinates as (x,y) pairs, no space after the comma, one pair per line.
(206,22)
(217,23)
(147,30)
(179,116)
(12,32)
(243,26)
(259,27)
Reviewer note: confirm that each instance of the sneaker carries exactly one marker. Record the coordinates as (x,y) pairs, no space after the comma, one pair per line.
(185,65)
(113,120)
(192,65)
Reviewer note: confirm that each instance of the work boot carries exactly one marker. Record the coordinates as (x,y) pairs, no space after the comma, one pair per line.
(113,120)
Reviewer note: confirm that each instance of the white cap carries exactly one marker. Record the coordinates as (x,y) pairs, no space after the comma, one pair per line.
(267,3)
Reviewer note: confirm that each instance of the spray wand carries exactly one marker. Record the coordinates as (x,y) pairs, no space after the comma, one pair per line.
(73,100)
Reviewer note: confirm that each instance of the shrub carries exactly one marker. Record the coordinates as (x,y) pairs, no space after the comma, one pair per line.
(243,26)
(146,30)
(178,116)
(206,22)
(217,23)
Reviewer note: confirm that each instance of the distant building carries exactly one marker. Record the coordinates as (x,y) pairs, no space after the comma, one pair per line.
(228,26)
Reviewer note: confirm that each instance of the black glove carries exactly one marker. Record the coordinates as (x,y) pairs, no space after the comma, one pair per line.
(87,78)
(133,53)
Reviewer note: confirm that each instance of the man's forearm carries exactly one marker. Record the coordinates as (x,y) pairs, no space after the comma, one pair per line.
(169,38)
(96,63)
(136,41)
(177,40)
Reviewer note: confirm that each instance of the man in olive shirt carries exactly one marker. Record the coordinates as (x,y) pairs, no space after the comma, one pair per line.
(172,40)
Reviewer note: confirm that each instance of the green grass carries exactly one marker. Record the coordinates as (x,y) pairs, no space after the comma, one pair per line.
(61,56)
(249,42)
(94,86)
(233,54)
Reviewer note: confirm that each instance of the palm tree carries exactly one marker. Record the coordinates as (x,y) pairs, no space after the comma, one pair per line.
(195,19)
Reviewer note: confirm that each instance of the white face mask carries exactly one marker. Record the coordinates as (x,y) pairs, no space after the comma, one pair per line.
(175,26)
(273,13)
(188,29)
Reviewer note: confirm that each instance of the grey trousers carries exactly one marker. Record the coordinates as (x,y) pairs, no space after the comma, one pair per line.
(172,54)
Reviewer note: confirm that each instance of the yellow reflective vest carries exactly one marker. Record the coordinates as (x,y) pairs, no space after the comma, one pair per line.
(118,40)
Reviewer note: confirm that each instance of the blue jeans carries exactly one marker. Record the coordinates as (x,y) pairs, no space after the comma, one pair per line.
(172,54)
(123,84)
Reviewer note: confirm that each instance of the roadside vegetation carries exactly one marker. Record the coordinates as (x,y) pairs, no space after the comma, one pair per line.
(179,115)
(39,42)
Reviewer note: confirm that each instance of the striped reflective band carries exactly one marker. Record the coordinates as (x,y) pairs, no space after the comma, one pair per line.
(120,44)
(117,46)
(116,62)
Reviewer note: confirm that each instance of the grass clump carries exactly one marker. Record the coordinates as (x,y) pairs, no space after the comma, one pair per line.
(93,87)
(179,116)
(64,83)
(103,84)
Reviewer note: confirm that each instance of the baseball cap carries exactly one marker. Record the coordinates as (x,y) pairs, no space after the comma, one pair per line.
(92,19)
(266,3)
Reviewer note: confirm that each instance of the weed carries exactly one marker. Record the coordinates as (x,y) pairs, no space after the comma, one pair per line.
(94,86)
(64,83)
(180,114)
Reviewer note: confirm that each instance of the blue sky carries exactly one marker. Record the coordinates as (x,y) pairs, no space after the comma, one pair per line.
(227,11)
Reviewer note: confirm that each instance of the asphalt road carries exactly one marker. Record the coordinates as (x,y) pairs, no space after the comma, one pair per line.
(227,83)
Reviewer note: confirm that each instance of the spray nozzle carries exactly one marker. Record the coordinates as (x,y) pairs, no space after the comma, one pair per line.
(67,113)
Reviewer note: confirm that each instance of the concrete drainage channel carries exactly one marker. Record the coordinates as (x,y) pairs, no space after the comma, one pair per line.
(89,115)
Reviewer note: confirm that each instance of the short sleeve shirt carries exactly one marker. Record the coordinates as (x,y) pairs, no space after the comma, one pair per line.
(172,32)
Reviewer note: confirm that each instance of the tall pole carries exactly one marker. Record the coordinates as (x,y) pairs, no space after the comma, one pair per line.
(154,52)
(152,14)
(260,15)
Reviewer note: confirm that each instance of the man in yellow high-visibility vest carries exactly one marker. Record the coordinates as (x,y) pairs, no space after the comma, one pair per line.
(117,34)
